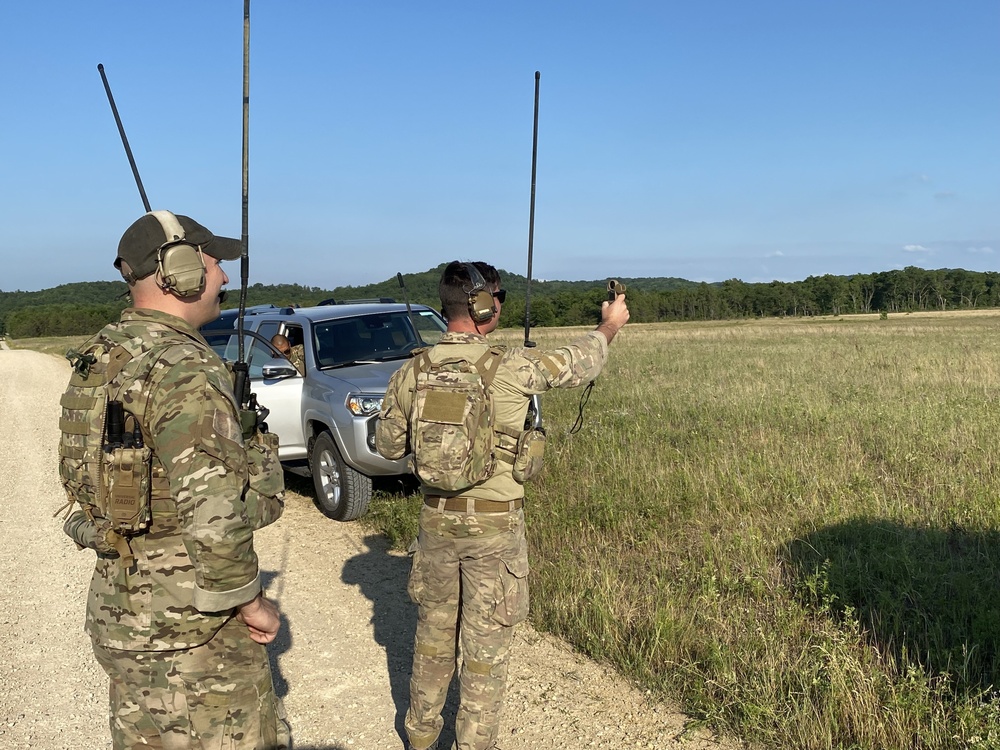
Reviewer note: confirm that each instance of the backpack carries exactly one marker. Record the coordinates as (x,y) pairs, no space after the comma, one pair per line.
(452,420)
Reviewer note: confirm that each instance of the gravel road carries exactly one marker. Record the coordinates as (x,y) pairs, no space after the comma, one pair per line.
(342,657)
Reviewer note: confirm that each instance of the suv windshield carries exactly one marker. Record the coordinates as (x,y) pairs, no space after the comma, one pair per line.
(374,338)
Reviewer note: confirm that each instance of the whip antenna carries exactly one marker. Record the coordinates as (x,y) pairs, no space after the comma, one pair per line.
(531,218)
(409,310)
(121,132)
(241,384)
(535,409)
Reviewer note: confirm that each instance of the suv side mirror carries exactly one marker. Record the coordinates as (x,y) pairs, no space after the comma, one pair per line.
(278,369)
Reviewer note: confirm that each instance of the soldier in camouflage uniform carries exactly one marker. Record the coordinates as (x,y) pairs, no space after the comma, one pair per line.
(294,354)
(469,573)
(176,613)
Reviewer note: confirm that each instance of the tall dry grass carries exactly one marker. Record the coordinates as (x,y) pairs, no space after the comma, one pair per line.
(789,526)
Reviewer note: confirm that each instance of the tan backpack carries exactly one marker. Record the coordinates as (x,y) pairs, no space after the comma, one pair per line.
(452,420)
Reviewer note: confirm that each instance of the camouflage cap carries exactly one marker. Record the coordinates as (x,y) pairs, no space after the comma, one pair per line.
(140,245)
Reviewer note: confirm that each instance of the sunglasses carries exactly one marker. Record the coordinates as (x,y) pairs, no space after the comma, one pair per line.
(500,295)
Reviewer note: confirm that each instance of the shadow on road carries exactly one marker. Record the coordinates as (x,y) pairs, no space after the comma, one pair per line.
(382,577)
(281,643)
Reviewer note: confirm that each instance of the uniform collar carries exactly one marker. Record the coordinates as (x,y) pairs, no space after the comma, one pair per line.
(147,315)
(451,337)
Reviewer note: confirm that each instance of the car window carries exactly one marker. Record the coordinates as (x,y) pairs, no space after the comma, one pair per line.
(372,338)
(257,350)
(268,328)
(429,325)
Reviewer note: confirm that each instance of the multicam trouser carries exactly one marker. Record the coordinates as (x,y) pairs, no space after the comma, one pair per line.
(473,567)
(217,695)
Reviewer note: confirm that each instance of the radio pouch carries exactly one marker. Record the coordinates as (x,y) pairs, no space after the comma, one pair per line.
(128,471)
(265,495)
(529,456)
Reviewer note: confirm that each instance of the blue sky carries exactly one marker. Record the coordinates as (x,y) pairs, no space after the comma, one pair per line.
(708,140)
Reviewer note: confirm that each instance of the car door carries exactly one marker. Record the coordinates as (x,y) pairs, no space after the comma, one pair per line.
(282,397)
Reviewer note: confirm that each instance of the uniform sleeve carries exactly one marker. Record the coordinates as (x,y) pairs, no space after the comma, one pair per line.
(392,429)
(566,367)
(195,433)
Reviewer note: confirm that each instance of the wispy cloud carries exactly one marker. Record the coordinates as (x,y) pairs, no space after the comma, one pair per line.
(945,195)
(775,254)
(916,249)
(979,250)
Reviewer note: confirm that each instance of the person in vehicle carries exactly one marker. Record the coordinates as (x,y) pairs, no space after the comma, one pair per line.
(293,354)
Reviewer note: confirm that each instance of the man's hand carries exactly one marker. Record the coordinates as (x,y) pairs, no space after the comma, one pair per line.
(613,316)
(261,617)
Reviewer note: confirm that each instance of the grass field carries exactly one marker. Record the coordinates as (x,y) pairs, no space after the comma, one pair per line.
(790,526)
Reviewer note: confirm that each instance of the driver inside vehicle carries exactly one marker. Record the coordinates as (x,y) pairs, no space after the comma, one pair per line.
(293,354)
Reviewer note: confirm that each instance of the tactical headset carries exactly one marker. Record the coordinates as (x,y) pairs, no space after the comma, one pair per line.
(180,266)
(482,307)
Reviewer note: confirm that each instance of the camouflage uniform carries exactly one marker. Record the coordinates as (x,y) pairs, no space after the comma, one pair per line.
(184,673)
(469,573)
(298,358)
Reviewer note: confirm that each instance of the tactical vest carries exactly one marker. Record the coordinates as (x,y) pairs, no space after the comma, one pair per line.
(105,468)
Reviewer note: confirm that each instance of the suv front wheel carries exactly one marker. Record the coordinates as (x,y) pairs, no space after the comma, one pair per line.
(342,492)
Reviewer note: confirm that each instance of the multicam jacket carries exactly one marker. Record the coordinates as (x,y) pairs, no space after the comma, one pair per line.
(197,561)
(297,357)
(521,374)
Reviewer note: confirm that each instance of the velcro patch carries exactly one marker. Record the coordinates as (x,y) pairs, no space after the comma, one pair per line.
(444,407)
(552,365)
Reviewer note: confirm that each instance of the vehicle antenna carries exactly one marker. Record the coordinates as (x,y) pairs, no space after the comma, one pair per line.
(409,310)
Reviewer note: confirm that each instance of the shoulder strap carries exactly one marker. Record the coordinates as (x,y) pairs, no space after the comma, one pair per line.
(488,364)
(118,357)
(421,362)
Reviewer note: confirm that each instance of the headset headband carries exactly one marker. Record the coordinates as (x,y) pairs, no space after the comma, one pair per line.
(172,228)
(476,278)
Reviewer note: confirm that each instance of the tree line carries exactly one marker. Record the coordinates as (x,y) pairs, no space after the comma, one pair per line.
(81,308)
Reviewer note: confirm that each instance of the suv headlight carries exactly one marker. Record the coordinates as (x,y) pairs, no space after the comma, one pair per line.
(364,406)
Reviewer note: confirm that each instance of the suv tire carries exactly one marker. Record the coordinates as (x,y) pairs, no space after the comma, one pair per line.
(341,492)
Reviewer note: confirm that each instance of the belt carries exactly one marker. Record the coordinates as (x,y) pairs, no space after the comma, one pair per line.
(472,504)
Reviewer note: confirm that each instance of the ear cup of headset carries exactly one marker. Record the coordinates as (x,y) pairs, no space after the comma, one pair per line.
(182,269)
(481,306)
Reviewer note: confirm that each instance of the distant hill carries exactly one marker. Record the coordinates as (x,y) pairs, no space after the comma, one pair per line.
(423,287)
(83,307)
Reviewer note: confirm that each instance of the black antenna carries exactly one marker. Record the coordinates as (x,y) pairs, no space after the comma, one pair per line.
(241,370)
(531,218)
(535,410)
(409,310)
(121,131)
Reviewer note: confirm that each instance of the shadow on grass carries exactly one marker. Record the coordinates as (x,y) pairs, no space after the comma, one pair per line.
(927,596)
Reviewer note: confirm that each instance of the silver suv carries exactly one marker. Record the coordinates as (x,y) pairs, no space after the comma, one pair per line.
(325,417)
